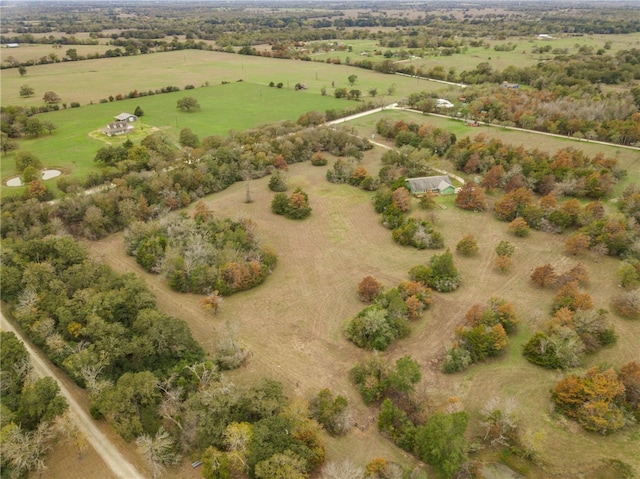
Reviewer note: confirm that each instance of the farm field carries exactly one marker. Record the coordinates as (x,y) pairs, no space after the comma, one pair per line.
(293,323)
(92,80)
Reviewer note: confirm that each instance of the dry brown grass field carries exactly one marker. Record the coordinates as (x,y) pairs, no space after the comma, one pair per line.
(293,323)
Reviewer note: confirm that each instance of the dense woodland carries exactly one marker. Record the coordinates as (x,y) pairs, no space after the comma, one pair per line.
(150,379)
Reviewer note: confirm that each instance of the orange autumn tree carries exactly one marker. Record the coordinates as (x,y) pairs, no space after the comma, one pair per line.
(596,400)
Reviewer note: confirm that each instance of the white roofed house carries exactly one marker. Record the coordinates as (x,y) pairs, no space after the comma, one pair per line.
(115,128)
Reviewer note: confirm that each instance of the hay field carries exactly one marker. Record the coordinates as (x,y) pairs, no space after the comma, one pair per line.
(92,80)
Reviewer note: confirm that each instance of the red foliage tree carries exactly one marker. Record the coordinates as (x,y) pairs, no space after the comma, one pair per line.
(368,289)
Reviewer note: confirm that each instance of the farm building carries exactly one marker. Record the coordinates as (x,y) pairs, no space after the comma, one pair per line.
(438,184)
(126,117)
(12,45)
(116,128)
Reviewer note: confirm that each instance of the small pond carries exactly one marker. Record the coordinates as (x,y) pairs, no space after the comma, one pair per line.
(46,175)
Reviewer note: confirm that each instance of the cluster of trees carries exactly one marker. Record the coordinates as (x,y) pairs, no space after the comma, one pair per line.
(602,401)
(387,318)
(20,122)
(611,118)
(295,207)
(154,178)
(423,137)
(32,411)
(89,320)
(201,254)
(439,440)
(576,326)
(568,172)
(394,204)
(346,170)
(439,273)
(483,334)
(143,372)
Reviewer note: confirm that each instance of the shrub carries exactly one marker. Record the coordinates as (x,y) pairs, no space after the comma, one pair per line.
(440,274)
(467,246)
(627,304)
(331,411)
(277,182)
(456,359)
(295,207)
(368,289)
(318,159)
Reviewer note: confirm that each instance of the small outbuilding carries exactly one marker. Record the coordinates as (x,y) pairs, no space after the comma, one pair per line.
(12,45)
(126,117)
(437,184)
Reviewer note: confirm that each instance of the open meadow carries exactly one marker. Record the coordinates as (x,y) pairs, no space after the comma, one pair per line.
(92,80)
(293,323)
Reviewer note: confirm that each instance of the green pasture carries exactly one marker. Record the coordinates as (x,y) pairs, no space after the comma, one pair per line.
(235,106)
(92,80)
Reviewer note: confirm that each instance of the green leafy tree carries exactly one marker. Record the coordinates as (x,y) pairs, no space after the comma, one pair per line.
(394,422)
(441,442)
(189,138)
(138,112)
(285,465)
(215,464)
(505,248)
(331,411)
(7,144)
(188,104)
(14,367)
(26,91)
(277,182)
(352,79)
(22,70)
(467,246)
(40,402)
(26,158)
(130,405)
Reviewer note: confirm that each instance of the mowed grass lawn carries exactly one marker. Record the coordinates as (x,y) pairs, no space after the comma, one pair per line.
(235,106)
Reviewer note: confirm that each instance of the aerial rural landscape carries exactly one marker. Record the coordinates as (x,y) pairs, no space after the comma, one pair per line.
(327,240)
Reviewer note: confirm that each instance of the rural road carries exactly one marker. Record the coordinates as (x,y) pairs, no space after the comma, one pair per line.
(103,446)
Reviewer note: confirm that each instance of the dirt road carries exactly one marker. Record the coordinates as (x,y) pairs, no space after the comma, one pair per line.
(103,446)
